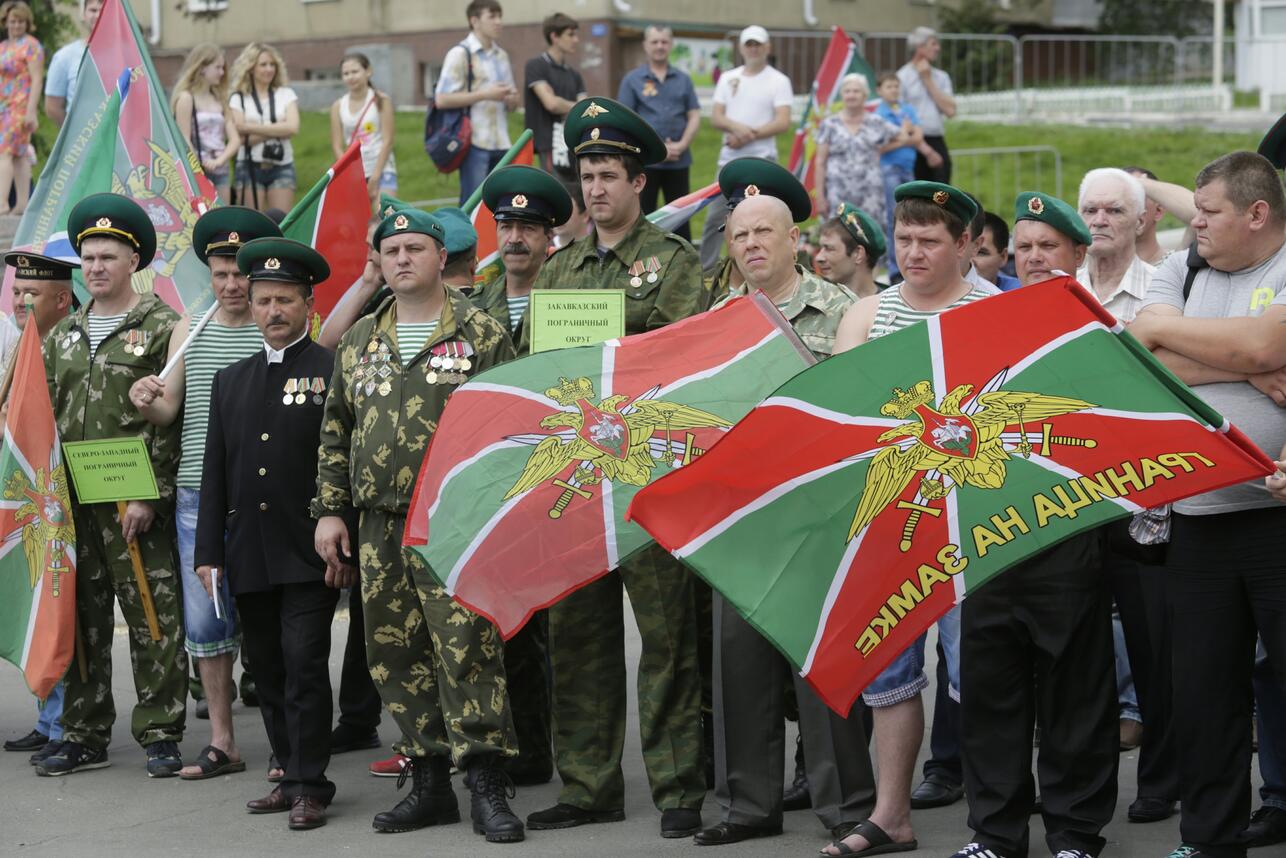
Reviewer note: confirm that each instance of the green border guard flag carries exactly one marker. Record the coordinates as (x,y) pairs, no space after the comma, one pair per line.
(870,493)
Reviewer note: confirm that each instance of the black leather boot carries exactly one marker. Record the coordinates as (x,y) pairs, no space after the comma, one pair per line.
(430,801)
(491,790)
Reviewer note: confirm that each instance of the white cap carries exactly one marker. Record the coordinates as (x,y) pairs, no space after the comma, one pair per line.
(754,33)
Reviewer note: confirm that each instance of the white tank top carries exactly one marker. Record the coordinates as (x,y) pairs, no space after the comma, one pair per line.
(369,134)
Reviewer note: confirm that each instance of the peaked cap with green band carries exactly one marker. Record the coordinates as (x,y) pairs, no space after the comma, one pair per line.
(113,216)
(1033,205)
(222,231)
(283,260)
(460,234)
(36,266)
(748,177)
(390,204)
(952,199)
(601,126)
(862,227)
(519,192)
(409,220)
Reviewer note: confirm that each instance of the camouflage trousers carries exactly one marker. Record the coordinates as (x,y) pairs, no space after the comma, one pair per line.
(527,669)
(104,574)
(587,646)
(438,666)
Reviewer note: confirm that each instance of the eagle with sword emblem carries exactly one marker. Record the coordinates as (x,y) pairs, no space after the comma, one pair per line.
(47,529)
(961,440)
(618,439)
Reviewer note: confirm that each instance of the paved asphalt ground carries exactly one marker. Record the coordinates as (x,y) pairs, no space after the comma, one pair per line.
(118,811)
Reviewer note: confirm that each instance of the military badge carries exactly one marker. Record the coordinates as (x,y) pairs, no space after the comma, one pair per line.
(1036,205)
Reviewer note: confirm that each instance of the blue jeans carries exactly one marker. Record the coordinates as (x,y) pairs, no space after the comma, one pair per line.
(475,167)
(893,176)
(1270,710)
(206,634)
(1125,693)
(50,721)
(904,677)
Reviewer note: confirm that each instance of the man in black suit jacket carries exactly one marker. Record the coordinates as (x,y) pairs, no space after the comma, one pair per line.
(257,480)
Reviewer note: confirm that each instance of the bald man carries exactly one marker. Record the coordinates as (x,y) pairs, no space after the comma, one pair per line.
(749,674)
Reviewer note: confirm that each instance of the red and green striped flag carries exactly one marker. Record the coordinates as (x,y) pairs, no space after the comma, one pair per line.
(38,552)
(842,57)
(151,161)
(332,218)
(522,496)
(868,495)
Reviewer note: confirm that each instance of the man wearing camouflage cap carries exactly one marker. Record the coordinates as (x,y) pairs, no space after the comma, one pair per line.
(438,666)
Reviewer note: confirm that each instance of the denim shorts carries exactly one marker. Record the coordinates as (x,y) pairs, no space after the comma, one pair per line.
(206,634)
(388,181)
(904,678)
(270,176)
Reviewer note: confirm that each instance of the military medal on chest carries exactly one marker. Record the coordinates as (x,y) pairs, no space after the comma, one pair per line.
(302,395)
(289,390)
(318,388)
(636,273)
(448,363)
(653,266)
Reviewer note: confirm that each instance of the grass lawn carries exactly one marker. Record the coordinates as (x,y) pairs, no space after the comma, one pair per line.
(1173,155)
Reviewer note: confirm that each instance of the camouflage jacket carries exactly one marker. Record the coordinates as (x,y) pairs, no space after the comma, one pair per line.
(814,311)
(671,291)
(718,282)
(380,415)
(492,299)
(91,395)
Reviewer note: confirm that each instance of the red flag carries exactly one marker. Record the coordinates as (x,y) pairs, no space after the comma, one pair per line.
(38,547)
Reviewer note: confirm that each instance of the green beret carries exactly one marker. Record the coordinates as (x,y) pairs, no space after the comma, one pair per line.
(460,234)
(601,126)
(1034,205)
(862,227)
(390,204)
(748,177)
(113,216)
(221,231)
(409,220)
(1273,146)
(35,266)
(952,199)
(525,193)
(282,260)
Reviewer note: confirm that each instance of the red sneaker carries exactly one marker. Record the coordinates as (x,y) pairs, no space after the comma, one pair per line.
(390,768)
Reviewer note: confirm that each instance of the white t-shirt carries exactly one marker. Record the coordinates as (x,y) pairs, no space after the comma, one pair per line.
(281,98)
(752,100)
(914,93)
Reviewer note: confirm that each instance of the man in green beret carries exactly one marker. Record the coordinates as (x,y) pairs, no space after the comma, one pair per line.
(461,246)
(212,641)
(850,244)
(527,204)
(661,278)
(748,177)
(748,697)
(1050,239)
(438,665)
(254,536)
(92,358)
(932,242)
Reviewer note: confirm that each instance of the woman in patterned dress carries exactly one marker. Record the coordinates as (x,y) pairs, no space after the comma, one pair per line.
(849,144)
(200,105)
(22,73)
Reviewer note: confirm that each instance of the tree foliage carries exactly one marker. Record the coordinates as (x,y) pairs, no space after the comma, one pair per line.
(1156,17)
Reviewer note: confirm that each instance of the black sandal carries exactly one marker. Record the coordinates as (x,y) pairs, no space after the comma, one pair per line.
(213,762)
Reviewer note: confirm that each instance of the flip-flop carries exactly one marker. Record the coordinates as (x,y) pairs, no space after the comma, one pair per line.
(213,762)
(879,840)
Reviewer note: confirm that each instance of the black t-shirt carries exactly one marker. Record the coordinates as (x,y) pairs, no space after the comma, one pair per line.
(564,80)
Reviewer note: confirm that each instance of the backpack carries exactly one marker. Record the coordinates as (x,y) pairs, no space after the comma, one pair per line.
(447,132)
